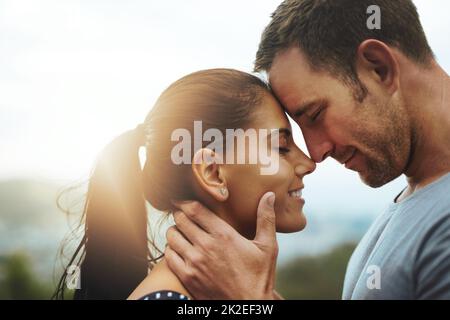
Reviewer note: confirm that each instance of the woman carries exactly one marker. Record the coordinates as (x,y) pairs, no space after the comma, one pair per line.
(114,251)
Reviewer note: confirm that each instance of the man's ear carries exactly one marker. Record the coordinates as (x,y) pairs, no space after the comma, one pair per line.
(376,60)
(208,172)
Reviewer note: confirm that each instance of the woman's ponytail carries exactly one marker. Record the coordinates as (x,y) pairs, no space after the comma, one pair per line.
(115,249)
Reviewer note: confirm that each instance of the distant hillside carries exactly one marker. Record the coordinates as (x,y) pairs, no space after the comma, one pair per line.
(30,222)
(315,277)
(19,281)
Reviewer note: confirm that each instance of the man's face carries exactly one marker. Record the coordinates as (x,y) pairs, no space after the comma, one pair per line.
(371,137)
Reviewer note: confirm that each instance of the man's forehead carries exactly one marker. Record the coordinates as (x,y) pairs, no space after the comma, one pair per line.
(296,91)
(288,60)
(282,84)
(292,93)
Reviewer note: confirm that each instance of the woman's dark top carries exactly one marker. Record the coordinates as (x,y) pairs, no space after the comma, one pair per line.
(164,295)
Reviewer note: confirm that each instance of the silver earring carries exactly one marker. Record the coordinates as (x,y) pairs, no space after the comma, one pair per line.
(223,191)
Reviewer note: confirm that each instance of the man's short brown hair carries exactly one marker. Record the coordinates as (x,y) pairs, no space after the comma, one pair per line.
(329,32)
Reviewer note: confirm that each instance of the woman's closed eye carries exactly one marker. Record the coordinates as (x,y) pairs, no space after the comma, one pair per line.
(283,144)
(283,150)
(281,141)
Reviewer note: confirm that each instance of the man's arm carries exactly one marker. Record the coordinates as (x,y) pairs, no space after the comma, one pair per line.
(213,261)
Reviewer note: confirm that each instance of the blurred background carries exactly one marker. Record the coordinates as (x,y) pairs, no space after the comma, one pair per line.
(75,74)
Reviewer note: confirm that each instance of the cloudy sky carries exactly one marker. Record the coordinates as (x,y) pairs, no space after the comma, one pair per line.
(74,74)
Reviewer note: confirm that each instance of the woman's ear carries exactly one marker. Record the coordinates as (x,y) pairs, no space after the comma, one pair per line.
(208,172)
(376,60)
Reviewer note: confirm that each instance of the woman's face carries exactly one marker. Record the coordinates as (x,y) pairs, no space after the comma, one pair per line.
(246,184)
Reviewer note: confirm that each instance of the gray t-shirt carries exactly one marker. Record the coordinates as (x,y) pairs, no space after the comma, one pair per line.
(405,254)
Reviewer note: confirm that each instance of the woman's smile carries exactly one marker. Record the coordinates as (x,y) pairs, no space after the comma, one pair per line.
(296,195)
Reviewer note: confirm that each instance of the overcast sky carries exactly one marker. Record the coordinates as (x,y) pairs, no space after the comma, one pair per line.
(74,74)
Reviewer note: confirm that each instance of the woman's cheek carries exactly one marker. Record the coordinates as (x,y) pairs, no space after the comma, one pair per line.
(279,184)
(246,186)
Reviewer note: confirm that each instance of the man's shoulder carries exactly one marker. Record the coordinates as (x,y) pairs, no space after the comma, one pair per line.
(427,206)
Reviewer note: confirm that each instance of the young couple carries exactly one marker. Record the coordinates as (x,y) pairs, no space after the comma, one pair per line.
(375,100)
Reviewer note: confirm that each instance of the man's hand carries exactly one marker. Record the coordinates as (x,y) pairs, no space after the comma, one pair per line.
(213,261)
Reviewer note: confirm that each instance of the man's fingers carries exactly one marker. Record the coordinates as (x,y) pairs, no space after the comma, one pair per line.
(190,230)
(265,224)
(202,216)
(178,243)
(175,263)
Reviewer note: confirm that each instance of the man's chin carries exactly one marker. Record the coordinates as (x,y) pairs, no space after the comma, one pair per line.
(375,180)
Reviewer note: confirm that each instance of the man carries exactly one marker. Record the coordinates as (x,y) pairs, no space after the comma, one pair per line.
(376,101)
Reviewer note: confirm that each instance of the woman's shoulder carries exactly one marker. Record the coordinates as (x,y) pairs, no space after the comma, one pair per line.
(161,283)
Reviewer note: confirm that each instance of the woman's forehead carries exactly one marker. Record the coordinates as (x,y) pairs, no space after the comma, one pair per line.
(270,115)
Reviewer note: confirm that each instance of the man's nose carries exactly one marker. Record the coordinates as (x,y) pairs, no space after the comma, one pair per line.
(319,148)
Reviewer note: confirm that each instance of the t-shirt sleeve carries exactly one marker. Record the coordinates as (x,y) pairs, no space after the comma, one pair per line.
(432,268)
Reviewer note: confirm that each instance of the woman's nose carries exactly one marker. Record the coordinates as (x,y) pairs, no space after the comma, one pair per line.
(305,166)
